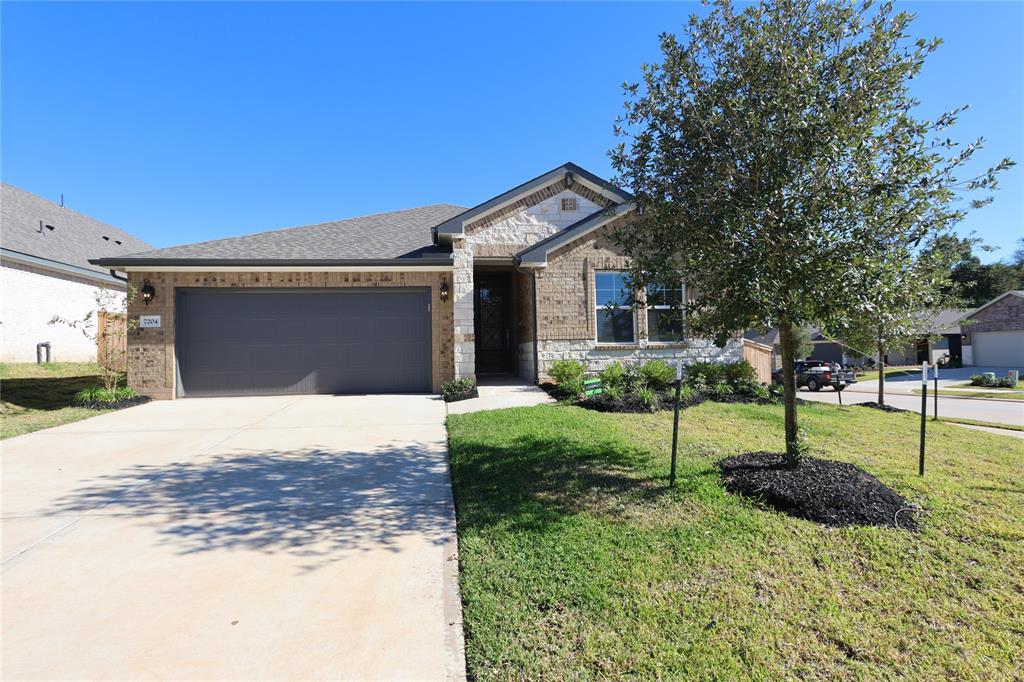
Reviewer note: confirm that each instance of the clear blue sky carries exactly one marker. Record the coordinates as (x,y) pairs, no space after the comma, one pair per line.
(183,122)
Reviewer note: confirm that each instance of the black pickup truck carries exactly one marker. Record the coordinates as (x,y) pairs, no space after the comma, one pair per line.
(815,374)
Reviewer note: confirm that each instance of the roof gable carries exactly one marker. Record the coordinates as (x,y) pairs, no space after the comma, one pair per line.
(40,228)
(566,176)
(995,300)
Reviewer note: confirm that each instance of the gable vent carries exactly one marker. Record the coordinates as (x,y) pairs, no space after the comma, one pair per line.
(569,204)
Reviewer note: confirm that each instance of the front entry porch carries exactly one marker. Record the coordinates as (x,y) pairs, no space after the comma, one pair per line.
(503,323)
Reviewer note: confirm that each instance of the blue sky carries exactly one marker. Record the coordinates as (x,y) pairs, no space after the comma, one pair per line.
(184,122)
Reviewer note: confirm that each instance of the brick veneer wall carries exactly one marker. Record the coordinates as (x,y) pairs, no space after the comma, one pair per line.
(151,366)
(566,312)
(1003,316)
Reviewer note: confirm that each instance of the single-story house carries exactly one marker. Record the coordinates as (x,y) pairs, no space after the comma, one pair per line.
(45,272)
(996,332)
(402,301)
(943,336)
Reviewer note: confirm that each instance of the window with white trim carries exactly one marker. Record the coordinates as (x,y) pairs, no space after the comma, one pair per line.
(615,320)
(665,312)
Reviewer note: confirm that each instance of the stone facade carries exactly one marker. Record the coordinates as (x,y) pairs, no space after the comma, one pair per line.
(151,362)
(1005,315)
(503,234)
(32,296)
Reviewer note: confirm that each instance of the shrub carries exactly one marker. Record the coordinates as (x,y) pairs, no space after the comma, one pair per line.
(459,389)
(738,373)
(706,373)
(615,393)
(613,377)
(991,381)
(569,375)
(101,394)
(657,374)
(648,398)
(722,389)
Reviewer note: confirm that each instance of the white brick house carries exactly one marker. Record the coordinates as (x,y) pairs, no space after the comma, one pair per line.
(45,272)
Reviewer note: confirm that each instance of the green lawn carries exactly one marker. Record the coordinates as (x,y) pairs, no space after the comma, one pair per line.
(872,374)
(34,397)
(577,563)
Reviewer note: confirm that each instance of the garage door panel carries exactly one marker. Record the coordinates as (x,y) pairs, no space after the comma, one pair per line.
(273,342)
(998,349)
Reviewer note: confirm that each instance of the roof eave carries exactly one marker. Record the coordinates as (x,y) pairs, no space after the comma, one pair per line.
(273,262)
(536,255)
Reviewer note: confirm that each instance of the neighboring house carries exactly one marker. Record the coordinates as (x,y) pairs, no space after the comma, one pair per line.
(996,332)
(45,271)
(401,301)
(942,336)
(824,348)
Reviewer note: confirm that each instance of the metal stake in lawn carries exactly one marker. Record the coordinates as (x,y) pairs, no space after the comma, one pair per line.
(935,398)
(675,424)
(924,410)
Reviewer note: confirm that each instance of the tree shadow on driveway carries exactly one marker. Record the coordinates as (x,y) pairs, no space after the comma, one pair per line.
(315,503)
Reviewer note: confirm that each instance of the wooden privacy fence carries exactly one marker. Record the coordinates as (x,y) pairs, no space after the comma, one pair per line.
(112,341)
(759,355)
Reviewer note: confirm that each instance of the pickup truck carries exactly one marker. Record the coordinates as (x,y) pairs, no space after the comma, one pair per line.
(814,374)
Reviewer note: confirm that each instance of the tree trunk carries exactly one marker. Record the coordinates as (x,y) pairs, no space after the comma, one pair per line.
(789,392)
(881,370)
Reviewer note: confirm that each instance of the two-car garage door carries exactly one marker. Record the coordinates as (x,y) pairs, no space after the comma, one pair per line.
(998,349)
(235,342)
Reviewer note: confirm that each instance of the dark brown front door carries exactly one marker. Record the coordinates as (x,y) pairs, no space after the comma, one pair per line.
(492,329)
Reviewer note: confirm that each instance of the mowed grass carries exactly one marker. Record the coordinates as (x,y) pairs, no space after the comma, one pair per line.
(34,397)
(577,563)
(872,374)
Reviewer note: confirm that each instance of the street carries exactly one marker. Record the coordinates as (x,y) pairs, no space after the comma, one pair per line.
(998,411)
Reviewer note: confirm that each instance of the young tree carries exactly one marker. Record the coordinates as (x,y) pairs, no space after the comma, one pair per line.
(802,344)
(109,337)
(778,165)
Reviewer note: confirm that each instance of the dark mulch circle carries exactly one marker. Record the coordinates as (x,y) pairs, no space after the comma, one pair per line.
(884,408)
(831,493)
(602,403)
(464,395)
(116,405)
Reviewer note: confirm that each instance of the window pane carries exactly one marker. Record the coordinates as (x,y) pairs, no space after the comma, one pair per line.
(665,325)
(615,326)
(612,288)
(659,295)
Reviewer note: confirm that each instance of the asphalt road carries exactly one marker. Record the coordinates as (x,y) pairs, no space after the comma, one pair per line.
(998,411)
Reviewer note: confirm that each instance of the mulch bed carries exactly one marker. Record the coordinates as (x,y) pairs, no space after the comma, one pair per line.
(116,405)
(602,403)
(883,408)
(831,493)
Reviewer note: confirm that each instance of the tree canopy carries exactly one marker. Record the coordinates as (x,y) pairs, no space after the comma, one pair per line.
(779,166)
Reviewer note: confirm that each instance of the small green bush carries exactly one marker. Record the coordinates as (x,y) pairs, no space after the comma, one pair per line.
(459,389)
(657,374)
(738,373)
(99,394)
(991,382)
(704,373)
(614,392)
(569,375)
(613,376)
(722,389)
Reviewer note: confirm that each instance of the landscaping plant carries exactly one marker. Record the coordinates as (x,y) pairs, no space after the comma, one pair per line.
(657,374)
(777,163)
(459,389)
(569,375)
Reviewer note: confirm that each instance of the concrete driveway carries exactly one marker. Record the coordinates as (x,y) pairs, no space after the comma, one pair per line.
(287,537)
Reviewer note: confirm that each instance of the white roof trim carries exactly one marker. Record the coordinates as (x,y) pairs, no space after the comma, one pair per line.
(286,268)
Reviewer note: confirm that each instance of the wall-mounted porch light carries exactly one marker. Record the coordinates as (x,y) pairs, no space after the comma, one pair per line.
(148,292)
(443,290)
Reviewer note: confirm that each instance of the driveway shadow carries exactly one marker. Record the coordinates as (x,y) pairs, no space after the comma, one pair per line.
(314,503)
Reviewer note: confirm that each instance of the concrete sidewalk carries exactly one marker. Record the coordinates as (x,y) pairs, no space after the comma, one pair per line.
(501,394)
(233,538)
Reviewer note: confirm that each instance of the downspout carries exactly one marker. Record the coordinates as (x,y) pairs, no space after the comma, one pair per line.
(113,273)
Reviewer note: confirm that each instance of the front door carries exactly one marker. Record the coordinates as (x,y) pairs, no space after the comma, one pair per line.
(492,329)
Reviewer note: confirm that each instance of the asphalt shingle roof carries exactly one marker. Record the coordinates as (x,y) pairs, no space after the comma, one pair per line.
(382,236)
(74,239)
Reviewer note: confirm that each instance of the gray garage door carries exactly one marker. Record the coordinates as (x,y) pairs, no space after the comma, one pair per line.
(998,349)
(233,342)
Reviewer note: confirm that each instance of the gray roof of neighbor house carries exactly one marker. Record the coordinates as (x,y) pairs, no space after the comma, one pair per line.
(49,233)
(945,320)
(403,236)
